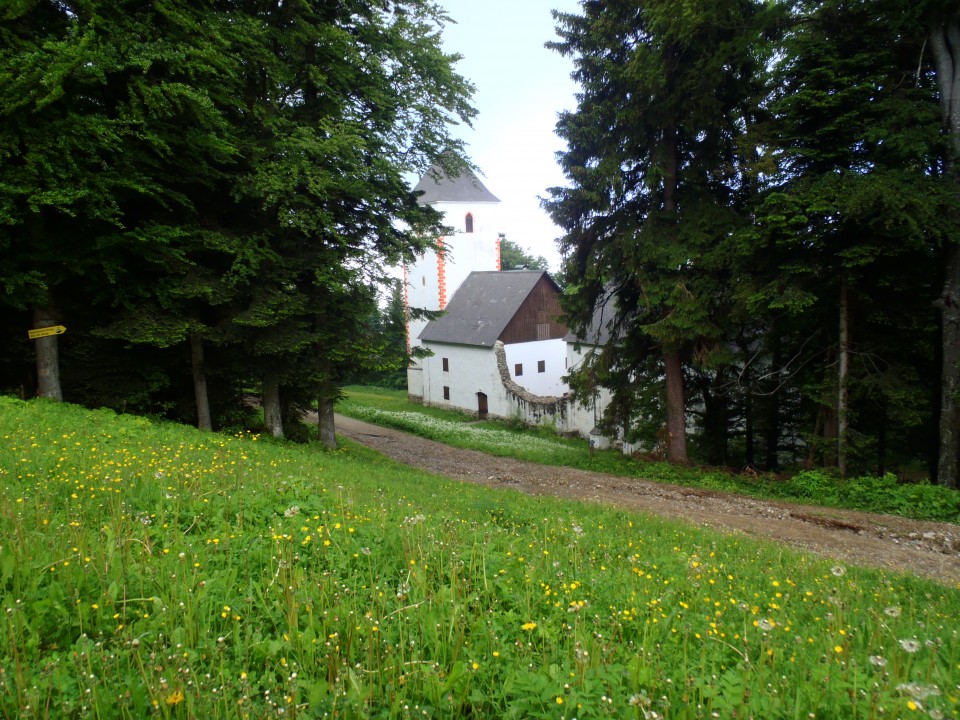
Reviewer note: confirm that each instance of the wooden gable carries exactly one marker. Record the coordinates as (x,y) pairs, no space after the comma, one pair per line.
(538,316)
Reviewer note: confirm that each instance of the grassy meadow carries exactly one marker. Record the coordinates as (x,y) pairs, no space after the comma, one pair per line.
(149,570)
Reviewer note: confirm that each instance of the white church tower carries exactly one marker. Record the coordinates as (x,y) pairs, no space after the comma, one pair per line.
(471,211)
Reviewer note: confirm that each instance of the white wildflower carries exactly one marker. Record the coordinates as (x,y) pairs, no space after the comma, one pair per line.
(918,691)
(911,646)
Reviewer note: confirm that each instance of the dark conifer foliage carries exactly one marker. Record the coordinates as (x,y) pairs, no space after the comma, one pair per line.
(763,192)
(223,183)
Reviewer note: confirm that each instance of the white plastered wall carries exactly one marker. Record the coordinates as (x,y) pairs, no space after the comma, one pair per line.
(580,418)
(472,369)
(554,356)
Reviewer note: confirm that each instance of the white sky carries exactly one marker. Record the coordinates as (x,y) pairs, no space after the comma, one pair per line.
(520,88)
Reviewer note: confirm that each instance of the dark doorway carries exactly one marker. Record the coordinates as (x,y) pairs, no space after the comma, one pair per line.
(481,406)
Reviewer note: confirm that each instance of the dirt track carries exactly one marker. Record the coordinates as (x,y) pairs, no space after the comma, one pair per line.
(893,543)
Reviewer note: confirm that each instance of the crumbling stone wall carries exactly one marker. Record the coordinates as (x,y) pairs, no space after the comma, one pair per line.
(533,409)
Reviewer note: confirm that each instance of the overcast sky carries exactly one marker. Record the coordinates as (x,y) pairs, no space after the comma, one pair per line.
(520,88)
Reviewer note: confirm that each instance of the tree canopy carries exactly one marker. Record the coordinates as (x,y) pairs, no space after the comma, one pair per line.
(514,257)
(217,186)
(762,193)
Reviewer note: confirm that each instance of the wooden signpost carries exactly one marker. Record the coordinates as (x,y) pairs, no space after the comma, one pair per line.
(46,331)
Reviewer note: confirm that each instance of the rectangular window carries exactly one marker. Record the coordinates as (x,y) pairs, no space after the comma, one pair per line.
(518,370)
(446,365)
(543,331)
(541,366)
(446,393)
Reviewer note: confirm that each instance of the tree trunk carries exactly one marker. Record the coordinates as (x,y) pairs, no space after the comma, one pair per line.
(676,403)
(48,356)
(200,382)
(882,440)
(843,381)
(831,431)
(944,36)
(716,418)
(272,414)
(949,304)
(676,409)
(326,427)
(772,424)
(749,444)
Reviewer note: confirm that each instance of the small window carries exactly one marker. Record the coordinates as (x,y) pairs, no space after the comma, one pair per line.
(543,331)
(541,366)
(518,369)
(446,365)
(446,393)
(468,222)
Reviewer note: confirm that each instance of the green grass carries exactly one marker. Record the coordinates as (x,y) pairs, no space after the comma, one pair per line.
(149,570)
(873,494)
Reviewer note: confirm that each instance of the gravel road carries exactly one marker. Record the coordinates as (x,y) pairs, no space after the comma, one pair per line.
(925,548)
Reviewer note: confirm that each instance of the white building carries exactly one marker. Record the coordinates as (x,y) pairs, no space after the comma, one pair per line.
(499,349)
(474,245)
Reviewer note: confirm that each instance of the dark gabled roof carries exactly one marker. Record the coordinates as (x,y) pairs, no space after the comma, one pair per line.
(598,333)
(481,308)
(437,186)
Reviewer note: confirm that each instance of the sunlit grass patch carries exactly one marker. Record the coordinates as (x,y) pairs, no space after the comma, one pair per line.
(500,441)
(151,570)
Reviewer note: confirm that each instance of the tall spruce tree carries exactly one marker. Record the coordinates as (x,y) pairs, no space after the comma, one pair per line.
(852,206)
(655,184)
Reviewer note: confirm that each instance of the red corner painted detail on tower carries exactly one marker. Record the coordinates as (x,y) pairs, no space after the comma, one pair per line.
(442,273)
(406,306)
(497,246)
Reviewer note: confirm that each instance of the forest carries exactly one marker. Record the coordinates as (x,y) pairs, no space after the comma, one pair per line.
(208,196)
(762,207)
(762,199)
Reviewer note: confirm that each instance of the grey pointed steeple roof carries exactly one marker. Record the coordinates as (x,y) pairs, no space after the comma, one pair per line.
(437,186)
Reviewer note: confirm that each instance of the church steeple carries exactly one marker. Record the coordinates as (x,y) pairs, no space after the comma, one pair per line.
(470,211)
(466,187)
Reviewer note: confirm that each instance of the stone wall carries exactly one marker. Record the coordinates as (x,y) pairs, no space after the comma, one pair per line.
(531,409)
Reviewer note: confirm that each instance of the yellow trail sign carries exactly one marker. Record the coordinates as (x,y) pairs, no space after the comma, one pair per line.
(45,331)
